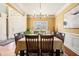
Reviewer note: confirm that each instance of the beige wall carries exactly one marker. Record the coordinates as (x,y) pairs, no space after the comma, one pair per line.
(50,19)
(60,18)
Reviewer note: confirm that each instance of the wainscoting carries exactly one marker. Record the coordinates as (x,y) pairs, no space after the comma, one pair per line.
(69,52)
(71,44)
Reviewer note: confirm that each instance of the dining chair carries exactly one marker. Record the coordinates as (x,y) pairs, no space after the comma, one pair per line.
(32,44)
(60,36)
(46,44)
(18,36)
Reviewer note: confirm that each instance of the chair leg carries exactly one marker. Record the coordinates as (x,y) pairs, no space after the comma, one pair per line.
(16,54)
(38,53)
(51,53)
(27,54)
(41,53)
(57,52)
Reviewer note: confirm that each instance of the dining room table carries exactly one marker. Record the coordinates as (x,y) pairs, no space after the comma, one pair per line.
(21,44)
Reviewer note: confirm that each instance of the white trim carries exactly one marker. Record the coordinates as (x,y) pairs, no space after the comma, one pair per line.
(70,46)
(62,8)
(75,51)
(16,7)
(71,33)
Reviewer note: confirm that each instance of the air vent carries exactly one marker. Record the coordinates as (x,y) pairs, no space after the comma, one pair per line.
(76,13)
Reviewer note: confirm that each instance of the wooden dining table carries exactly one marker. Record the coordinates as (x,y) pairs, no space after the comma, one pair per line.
(21,44)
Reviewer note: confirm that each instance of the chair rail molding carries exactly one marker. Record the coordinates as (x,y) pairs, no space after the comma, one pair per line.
(72,42)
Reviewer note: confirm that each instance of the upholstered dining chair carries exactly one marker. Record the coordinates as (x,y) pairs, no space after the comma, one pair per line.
(60,36)
(46,44)
(18,36)
(32,44)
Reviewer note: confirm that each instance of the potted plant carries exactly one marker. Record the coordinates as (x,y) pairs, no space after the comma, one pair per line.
(27,31)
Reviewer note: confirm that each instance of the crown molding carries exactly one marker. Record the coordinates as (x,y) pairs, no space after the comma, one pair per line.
(62,9)
(16,8)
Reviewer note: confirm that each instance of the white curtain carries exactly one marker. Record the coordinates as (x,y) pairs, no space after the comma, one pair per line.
(3,27)
(16,24)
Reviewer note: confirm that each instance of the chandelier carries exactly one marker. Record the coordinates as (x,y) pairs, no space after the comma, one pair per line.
(40,12)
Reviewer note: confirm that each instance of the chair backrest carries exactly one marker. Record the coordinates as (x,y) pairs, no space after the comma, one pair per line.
(60,35)
(32,42)
(17,37)
(47,42)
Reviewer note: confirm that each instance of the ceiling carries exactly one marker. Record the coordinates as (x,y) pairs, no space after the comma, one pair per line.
(43,8)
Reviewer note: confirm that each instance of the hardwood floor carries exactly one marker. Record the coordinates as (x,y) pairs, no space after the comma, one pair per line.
(8,50)
(69,52)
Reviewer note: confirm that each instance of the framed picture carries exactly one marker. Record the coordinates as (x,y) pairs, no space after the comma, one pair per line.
(40,25)
(71,18)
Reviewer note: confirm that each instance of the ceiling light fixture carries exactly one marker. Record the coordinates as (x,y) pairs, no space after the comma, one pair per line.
(39,15)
